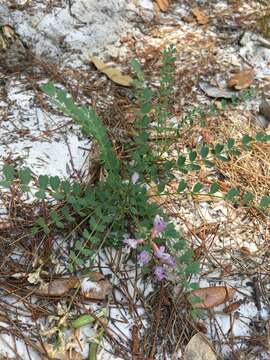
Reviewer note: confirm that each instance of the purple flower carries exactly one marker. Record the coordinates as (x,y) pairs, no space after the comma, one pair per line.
(159,272)
(133,243)
(165,257)
(144,257)
(158,226)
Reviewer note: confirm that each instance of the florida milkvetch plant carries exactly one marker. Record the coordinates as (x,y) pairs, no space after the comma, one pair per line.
(120,205)
(110,209)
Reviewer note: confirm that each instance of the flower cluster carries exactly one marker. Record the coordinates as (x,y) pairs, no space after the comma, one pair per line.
(161,258)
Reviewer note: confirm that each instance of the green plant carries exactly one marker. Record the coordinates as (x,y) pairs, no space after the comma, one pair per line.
(159,139)
(120,206)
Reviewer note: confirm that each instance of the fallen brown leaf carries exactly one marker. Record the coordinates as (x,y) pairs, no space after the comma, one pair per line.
(112,73)
(200,15)
(198,348)
(212,296)
(242,80)
(58,287)
(163,4)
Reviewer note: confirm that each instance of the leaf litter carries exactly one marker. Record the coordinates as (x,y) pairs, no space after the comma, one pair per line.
(212,296)
(113,73)
(242,80)
(199,349)
(235,330)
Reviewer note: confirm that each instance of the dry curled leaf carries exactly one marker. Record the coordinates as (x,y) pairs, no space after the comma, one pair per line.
(58,287)
(198,348)
(113,73)
(242,80)
(200,15)
(95,287)
(212,296)
(163,4)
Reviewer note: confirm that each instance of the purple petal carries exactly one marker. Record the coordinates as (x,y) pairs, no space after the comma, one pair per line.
(144,257)
(159,224)
(166,258)
(159,272)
